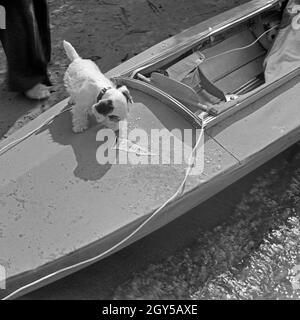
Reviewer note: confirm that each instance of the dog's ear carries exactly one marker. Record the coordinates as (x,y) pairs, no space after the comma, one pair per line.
(126,93)
(104,107)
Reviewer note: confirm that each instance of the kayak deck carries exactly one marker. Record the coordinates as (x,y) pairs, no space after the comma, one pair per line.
(63,200)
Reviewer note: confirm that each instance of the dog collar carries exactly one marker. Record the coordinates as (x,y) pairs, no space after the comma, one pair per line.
(102,93)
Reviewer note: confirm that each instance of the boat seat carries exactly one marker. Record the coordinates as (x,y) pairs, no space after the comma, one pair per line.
(180,70)
(215,76)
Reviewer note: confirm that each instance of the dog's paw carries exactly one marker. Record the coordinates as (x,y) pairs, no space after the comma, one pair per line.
(38,92)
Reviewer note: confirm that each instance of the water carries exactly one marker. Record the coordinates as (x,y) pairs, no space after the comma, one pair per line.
(255,255)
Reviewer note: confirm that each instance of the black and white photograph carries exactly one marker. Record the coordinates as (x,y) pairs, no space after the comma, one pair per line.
(149,151)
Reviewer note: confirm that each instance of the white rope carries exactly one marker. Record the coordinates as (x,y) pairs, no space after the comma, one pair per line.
(179,191)
(242,48)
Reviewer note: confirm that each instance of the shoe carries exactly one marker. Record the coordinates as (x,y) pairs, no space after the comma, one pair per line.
(38,92)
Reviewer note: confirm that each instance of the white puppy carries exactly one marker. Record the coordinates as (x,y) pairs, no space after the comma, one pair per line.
(92,93)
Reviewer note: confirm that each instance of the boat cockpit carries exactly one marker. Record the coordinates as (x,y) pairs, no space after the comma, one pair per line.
(230,66)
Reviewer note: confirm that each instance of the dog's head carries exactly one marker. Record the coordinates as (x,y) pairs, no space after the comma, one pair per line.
(112,106)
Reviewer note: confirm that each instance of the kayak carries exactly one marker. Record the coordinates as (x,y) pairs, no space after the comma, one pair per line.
(62,209)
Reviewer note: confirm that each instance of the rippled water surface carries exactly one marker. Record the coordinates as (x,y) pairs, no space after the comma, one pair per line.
(255,255)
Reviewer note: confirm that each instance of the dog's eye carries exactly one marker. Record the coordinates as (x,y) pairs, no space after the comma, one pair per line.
(114,118)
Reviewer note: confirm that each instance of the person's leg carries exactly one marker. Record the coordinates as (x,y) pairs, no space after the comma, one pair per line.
(43,22)
(26,42)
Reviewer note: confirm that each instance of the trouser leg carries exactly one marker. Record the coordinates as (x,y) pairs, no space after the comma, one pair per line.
(26,42)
